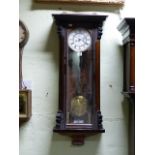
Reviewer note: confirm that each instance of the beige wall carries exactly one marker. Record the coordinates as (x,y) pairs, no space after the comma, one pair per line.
(41,67)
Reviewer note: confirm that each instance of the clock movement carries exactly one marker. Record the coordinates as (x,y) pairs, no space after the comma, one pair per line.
(127,29)
(24,93)
(79,112)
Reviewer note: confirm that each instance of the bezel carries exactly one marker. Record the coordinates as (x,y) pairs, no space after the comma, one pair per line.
(81,31)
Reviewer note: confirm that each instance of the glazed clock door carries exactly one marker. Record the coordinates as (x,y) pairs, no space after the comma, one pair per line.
(79,77)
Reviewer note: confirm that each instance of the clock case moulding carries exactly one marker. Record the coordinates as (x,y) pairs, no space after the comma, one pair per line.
(73,21)
(84,2)
(127,29)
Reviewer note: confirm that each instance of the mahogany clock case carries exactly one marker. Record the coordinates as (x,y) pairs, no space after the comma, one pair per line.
(88,70)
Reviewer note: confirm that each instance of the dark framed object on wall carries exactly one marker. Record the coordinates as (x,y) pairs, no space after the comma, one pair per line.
(127,29)
(79,112)
(25,104)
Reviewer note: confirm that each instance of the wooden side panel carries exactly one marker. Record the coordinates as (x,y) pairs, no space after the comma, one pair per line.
(97,78)
(132,68)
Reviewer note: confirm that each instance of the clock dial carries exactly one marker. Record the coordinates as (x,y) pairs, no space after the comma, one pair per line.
(79,40)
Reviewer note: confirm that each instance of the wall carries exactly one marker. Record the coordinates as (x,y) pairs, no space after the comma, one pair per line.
(41,67)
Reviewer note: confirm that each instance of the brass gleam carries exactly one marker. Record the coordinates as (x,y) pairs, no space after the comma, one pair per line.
(78,106)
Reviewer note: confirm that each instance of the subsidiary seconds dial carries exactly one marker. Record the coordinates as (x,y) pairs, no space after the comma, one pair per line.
(79,40)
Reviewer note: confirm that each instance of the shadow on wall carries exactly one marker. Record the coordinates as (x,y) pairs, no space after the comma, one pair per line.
(52,44)
(61,145)
(72,7)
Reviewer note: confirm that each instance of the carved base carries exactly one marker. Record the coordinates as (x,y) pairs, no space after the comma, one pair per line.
(99,120)
(78,134)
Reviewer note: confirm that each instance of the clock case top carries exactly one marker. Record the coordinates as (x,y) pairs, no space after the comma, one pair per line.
(73,21)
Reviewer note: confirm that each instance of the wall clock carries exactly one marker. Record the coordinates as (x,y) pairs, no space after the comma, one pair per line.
(79,112)
(127,29)
(24,93)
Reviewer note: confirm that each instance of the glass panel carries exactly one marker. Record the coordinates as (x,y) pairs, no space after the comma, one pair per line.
(79,88)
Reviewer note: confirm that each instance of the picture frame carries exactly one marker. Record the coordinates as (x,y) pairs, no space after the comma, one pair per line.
(25,100)
(95,2)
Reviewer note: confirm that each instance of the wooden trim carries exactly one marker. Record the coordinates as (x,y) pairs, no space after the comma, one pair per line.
(132,126)
(132,68)
(77,19)
(97,78)
(127,29)
(61,70)
(95,2)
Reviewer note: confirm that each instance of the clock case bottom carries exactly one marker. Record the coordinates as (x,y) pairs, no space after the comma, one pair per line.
(78,135)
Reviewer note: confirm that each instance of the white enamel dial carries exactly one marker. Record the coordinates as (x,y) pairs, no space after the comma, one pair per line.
(79,40)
